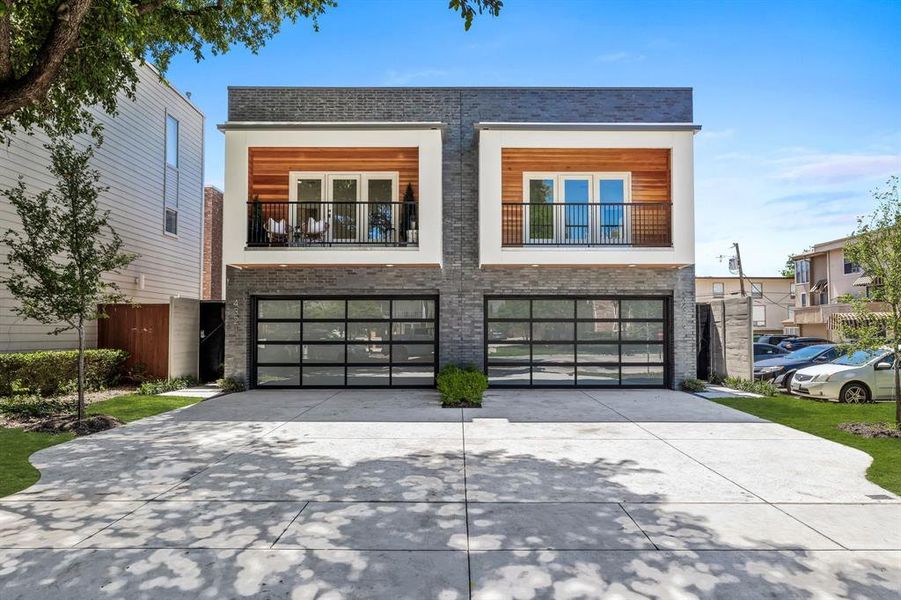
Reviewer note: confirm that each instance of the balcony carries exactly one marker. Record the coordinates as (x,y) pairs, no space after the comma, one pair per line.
(588,224)
(326,224)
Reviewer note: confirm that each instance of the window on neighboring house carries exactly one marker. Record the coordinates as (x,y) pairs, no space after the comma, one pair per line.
(719,290)
(850,267)
(791,313)
(803,299)
(791,291)
(759,316)
(757,290)
(802,271)
(824,297)
(170,183)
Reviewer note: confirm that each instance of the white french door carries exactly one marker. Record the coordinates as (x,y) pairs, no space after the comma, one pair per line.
(347,207)
(576,209)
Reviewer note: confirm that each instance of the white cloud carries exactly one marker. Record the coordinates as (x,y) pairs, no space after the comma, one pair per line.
(837,168)
(615,57)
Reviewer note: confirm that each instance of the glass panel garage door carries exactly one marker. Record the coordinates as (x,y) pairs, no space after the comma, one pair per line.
(345,342)
(585,341)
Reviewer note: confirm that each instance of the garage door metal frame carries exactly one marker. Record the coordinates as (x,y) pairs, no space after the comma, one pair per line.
(255,320)
(668,361)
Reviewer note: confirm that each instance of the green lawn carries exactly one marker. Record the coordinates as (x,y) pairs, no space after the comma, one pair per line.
(822,418)
(16,473)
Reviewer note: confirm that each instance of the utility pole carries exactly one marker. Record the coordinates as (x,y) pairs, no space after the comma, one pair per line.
(741,273)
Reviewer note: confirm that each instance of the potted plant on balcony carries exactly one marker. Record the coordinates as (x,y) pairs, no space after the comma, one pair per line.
(409,220)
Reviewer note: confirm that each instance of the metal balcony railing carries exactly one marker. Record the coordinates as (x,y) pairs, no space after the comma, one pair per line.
(641,224)
(299,224)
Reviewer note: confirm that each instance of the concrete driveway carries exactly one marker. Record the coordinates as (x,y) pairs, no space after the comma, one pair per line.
(382,494)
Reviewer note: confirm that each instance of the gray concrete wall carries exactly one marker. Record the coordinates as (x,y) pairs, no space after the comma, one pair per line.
(184,337)
(732,340)
(461,284)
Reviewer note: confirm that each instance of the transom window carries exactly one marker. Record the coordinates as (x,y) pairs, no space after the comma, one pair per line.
(572,208)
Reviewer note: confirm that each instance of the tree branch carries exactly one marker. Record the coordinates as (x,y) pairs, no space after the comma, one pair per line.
(61,39)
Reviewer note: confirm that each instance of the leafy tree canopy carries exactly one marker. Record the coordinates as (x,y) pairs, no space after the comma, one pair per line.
(58,57)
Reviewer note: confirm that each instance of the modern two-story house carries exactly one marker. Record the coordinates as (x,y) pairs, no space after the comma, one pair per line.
(546,235)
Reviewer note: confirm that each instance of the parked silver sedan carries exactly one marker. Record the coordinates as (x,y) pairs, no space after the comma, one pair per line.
(862,376)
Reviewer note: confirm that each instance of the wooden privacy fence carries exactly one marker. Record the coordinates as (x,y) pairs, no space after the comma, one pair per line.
(142,331)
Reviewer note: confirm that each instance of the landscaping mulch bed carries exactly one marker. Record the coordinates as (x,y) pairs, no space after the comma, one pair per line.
(69,424)
(872,430)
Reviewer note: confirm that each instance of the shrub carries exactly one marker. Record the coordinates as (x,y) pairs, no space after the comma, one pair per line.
(32,406)
(9,370)
(54,371)
(764,388)
(461,386)
(230,385)
(160,386)
(691,384)
(716,379)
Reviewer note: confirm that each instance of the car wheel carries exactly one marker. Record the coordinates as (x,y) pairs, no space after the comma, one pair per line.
(854,393)
(787,382)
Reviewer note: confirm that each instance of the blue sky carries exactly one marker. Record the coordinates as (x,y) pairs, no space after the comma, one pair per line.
(800,102)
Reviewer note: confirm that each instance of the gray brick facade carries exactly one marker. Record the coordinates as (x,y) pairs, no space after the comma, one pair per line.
(460,282)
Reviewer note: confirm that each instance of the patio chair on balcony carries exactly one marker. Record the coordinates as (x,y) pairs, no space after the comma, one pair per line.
(276,232)
(314,231)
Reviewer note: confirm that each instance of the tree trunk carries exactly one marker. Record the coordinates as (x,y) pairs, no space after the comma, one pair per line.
(897,390)
(80,373)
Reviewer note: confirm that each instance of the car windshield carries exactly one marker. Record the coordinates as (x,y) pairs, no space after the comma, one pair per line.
(808,352)
(859,357)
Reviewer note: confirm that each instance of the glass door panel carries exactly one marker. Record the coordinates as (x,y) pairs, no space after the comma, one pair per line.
(573,226)
(344,192)
(311,217)
(612,195)
(382,213)
(539,221)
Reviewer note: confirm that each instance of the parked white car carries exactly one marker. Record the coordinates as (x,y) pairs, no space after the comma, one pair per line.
(862,376)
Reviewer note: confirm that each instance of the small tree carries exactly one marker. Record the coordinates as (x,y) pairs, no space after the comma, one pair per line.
(876,248)
(789,269)
(57,261)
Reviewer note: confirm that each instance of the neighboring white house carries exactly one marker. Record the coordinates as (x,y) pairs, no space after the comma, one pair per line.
(152,161)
